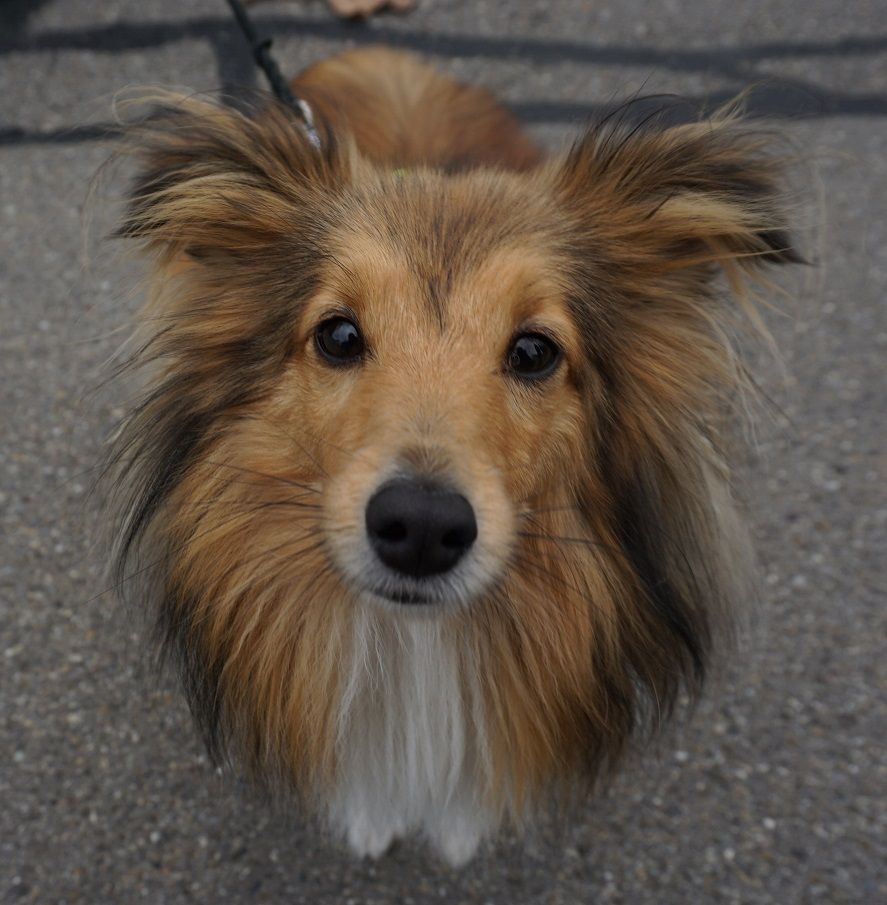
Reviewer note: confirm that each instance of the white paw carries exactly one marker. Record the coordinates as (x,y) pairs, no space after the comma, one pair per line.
(368,839)
(457,843)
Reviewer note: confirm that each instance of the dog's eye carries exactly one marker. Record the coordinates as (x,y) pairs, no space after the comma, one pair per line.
(532,356)
(339,341)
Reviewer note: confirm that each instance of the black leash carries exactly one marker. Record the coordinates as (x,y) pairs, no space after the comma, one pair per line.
(261,48)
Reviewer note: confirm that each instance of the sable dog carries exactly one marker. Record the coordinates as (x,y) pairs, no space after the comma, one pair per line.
(427,478)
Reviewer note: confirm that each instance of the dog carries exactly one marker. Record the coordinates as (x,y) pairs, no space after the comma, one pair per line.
(427,489)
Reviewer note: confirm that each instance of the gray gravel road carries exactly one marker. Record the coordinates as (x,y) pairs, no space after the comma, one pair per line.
(774,793)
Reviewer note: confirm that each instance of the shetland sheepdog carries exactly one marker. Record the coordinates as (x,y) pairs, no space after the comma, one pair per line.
(427,486)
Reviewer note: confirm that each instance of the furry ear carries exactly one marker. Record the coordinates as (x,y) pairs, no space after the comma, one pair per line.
(233,209)
(686,196)
(213,179)
(652,217)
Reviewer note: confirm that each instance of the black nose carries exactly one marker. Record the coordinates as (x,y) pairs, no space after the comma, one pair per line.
(419,529)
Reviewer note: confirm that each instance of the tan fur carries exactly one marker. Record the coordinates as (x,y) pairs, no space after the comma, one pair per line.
(404,113)
(608,541)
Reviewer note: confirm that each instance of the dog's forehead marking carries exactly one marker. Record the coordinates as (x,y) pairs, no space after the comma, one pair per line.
(486,293)
(443,229)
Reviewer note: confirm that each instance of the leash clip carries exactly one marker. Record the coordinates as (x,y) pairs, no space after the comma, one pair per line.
(261,48)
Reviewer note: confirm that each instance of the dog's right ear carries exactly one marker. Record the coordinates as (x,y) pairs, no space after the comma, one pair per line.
(230,207)
(213,181)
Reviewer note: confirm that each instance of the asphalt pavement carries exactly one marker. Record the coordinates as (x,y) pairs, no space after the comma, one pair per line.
(773,793)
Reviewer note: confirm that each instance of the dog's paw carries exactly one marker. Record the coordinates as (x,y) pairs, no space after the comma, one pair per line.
(369,839)
(457,849)
(456,838)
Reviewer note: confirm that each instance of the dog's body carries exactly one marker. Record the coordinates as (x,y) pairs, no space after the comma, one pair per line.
(428,471)
(402,113)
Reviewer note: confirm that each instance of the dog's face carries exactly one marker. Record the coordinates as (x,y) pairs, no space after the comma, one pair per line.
(486,399)
(432,387)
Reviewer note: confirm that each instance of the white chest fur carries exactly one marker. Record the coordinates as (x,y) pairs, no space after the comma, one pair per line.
(411,745)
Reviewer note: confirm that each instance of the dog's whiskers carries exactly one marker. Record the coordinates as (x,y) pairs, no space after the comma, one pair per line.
(176,548)
(308,488)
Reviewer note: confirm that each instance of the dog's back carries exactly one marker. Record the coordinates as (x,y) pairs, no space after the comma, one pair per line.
(402,112)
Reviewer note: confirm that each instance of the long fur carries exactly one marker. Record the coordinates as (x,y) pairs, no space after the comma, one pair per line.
(610,555)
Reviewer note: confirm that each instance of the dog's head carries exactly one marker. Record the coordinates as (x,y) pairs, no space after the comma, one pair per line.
(486,398)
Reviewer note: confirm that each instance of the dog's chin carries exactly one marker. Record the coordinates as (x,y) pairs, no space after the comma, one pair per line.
(414,600)
(374,584)
(378,587)
(408,598)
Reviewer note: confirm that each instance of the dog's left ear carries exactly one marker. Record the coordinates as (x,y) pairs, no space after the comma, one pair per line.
(690,196)
(650,217)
